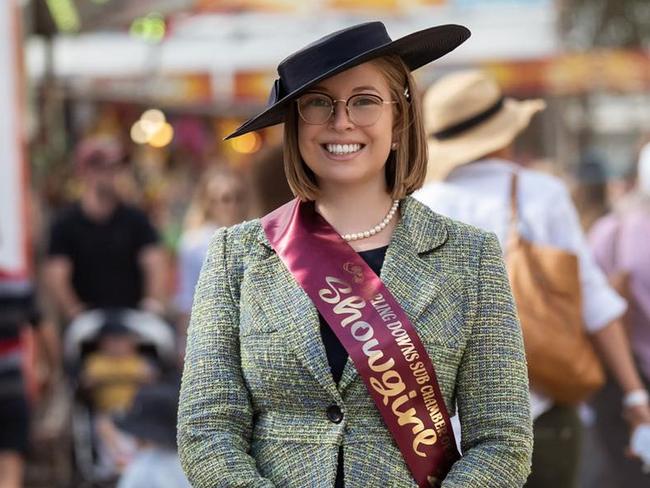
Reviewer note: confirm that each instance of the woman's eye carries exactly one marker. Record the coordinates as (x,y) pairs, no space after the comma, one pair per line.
(318,102)
(365,101)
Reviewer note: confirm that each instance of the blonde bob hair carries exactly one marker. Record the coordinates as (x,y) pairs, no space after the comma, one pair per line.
(405,167)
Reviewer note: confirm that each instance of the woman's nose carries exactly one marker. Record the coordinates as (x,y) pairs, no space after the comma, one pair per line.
(340,119)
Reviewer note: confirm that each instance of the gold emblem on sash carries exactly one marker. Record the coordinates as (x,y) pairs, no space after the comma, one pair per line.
(355,270)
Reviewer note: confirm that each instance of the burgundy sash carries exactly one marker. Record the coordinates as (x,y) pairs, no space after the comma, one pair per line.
(376,333)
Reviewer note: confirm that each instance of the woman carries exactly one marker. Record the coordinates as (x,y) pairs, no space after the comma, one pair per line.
(218,202)
(269,397)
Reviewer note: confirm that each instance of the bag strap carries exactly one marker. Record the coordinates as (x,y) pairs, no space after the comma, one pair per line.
(513,223)
(616,245)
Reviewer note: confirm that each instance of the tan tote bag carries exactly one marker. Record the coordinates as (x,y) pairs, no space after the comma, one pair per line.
(562,363)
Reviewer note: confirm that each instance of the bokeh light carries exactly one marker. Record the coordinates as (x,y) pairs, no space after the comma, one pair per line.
(152,128)
(138,134)
(154,116)
(247,144)
(151,28)
(163,136)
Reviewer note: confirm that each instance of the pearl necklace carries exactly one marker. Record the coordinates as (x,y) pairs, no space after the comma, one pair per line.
(376,229)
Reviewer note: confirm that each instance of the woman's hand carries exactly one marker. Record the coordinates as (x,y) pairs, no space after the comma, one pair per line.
(636,411)
(640,445)
(637,415)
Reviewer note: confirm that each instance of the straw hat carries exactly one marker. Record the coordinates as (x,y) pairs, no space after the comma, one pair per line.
(467,117)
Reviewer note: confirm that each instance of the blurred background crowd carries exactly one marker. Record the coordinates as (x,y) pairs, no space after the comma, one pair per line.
(113,114)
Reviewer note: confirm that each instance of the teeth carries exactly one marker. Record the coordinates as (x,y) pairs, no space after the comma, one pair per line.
(342,148)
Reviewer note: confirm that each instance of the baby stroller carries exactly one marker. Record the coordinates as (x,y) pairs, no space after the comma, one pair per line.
(155,341)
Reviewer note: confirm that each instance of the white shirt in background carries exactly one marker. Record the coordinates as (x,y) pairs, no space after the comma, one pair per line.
(479,194)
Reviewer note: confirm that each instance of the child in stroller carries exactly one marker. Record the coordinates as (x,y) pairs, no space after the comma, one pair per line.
(111,376)
(112,353)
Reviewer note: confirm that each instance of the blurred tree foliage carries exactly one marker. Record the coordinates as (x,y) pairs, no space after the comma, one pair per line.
(585,24)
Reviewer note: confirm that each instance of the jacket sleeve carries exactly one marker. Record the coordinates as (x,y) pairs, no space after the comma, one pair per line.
(215,415)
(492,387)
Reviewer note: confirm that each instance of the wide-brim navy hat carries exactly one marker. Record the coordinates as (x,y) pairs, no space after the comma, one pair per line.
(345,49)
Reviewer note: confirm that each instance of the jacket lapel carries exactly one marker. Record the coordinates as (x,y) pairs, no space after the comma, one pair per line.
(295,316)
(405,273)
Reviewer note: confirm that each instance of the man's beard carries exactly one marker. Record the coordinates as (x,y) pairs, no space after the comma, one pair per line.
(106,193)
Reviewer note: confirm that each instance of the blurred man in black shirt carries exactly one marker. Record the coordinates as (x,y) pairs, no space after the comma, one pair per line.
(104,253)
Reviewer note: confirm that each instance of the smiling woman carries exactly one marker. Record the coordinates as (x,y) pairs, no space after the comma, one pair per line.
(405,162)
(368,353)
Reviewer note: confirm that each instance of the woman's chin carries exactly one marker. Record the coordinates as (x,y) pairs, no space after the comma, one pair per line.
(347,179)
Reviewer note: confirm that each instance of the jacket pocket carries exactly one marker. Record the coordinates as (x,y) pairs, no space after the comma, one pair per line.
(443,322)
(252,319)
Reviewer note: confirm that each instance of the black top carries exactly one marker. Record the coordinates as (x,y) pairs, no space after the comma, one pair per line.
(337,356)
(16,311)
(104,254)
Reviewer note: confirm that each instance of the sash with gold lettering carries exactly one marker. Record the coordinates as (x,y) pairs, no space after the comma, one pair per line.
(375,331)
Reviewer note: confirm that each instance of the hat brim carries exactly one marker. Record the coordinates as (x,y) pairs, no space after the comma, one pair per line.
(145,429)
(490,136)
(416,49)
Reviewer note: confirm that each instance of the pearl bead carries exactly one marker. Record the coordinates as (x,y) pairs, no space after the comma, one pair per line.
(376,229)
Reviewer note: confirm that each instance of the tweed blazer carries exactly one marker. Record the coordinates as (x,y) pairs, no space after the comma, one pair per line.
(257,384)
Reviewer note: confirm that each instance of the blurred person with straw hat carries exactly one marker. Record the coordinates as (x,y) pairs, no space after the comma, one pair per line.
(471,129)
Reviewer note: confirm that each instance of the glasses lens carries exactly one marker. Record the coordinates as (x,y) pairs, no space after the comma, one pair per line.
(315,108)
(365,109)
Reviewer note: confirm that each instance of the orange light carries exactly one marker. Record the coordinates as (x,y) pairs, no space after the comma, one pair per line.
(247,144)
(163,136)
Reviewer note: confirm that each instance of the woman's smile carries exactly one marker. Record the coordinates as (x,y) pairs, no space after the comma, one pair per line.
(342,151)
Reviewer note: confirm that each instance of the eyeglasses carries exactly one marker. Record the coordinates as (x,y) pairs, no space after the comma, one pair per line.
(363,109)
(227,198)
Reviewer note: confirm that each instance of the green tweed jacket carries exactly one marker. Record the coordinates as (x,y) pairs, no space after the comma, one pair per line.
(257,384)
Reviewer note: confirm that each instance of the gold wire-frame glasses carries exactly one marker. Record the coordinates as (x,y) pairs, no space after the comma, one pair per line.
(363,109)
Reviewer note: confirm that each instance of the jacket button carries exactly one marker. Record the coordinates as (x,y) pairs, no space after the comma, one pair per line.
(334,414)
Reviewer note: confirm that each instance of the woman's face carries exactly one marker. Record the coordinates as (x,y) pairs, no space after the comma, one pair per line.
(225,201)
(340,152)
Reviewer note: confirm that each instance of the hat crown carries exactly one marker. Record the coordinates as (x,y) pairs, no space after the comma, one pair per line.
(329,52)
(457,98)
(153,414)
